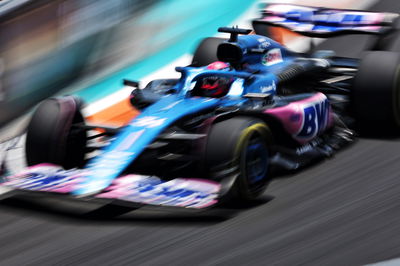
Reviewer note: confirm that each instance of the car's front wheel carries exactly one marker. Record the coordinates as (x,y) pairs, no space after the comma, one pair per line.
(240,147)
(54,136)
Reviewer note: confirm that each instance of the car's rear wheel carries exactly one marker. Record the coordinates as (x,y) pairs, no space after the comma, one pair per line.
(53,135)
(376,92)
(206,52)
(240,147)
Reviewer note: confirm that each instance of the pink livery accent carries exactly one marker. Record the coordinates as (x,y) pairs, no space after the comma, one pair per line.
(46,178)
(367,18)
(179,192)
(218,65)
(305,119)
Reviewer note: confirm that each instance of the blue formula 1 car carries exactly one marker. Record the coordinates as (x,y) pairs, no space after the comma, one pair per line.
(246,108)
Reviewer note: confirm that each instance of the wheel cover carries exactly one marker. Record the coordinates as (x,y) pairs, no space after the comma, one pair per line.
(256,160)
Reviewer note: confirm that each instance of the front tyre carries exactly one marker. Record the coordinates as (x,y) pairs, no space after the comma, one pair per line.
(240,146)
(53,135)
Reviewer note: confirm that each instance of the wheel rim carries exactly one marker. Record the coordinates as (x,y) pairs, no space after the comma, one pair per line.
(256,160)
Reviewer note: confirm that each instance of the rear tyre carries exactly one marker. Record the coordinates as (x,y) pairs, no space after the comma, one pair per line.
(240,146)
(206,52)
(52,136)
(376,92)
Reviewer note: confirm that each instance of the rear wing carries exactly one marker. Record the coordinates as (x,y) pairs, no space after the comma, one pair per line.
(323,22)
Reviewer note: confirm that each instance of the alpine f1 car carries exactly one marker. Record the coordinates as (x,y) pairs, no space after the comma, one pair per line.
(246,108)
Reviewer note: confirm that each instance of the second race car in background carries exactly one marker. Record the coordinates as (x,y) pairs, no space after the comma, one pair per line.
(246,107)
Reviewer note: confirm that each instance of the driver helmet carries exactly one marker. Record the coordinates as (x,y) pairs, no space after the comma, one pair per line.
(215,85)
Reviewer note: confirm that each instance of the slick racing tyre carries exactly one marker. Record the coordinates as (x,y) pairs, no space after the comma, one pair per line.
(376,92)
(206,52)
(240,147)
(52,136)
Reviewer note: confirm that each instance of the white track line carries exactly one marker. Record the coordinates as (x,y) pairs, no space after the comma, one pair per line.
(392,262)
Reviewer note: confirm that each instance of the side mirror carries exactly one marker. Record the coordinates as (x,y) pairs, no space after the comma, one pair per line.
(140,99)
(131,83)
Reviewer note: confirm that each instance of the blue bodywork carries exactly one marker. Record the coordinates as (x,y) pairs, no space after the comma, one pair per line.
(132,140)
(258,72)
(179,118)
(279,120)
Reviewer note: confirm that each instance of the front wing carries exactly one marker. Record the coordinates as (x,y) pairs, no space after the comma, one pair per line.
(135,189)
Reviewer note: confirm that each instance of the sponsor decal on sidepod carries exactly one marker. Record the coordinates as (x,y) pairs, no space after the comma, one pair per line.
(274,56)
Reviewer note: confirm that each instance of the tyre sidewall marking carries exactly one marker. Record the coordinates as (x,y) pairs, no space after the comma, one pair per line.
(245,136)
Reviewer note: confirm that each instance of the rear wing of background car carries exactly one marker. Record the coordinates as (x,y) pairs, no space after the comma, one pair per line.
(323,22)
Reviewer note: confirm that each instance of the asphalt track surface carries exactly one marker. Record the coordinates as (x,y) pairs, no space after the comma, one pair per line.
(343,211)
